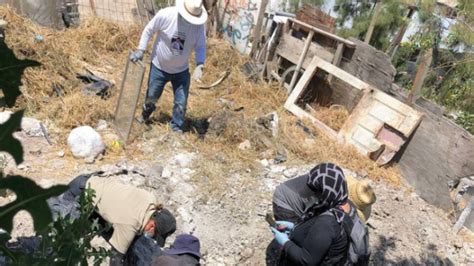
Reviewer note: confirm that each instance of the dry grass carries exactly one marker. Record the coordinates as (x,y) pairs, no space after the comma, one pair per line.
(102,47)
(334,117)
(96,45)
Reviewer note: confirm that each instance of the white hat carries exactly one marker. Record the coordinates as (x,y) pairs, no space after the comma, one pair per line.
(192,11)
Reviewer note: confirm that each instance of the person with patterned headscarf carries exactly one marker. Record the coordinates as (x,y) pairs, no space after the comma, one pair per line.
(318,238)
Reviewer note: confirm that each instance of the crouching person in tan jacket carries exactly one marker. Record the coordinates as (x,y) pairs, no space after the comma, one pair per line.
(130,210)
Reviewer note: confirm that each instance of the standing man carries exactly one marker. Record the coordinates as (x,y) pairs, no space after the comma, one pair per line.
(180,30)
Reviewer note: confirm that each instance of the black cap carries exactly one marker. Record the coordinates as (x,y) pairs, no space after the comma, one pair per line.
(165,225)
(185,244)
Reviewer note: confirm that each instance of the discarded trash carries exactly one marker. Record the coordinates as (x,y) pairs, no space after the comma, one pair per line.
(39,38)
(97,86)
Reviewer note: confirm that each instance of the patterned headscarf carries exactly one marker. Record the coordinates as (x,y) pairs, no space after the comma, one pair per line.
(328,181)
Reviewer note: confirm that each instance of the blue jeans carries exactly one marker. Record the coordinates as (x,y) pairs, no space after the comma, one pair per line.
(156,83)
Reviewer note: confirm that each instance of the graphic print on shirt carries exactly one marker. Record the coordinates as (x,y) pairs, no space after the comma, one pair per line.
(177,43)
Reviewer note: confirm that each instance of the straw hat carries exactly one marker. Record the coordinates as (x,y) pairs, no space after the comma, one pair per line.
(192,11)
(362,195)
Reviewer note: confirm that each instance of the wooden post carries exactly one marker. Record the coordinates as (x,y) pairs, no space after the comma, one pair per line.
(423,68)
(375,16)
(392,49)
(258,27)
(94,11)
(301,60)
(337,58)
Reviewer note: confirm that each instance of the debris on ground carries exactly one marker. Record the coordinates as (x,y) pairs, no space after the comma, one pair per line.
(85,142)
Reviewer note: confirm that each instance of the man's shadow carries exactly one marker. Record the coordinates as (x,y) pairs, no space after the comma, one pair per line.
(195,125)
(11,71)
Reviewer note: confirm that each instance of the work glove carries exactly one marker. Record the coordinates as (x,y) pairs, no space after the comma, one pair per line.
(280,237)
(137,56)
(284,226)
(197,74)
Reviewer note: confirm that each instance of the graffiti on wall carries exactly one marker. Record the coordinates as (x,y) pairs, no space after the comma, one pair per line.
(239,19)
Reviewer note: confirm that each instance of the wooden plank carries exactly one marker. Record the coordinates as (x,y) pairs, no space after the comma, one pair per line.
(301,60)
(375,16)
(420,75)
(303,82)
(94,11)
(312,15)
(258,27)
(325,33)
(343,75)
(291,49)
(337,58)
(296,93)
(439,151)
(369,65)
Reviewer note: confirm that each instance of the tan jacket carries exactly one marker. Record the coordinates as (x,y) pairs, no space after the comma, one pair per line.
(126,207)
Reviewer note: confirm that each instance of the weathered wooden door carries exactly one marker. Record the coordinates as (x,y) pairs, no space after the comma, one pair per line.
(379,125)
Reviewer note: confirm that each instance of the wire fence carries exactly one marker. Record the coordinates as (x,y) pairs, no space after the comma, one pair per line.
(122,11)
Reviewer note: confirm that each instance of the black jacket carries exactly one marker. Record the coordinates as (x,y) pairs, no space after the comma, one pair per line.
(320,240)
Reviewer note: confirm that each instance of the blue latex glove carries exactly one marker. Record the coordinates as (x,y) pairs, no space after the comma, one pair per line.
(280,237)
(284,226)
(137,56)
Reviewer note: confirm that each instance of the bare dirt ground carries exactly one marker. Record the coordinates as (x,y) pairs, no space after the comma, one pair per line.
(404,229)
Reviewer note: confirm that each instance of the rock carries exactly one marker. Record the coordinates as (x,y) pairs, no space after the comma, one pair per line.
(290,172)
(264,162)
(46,183)
(89,160)
(281,157)
(268,154)
(186,171)
(166,173)
(4,116)
(245,145)
(183,159)
(24,167)
(85,142)
(60,153)
(101,125)
(58,164)
(277,168)
(32,127)
(36,151)
(154,171)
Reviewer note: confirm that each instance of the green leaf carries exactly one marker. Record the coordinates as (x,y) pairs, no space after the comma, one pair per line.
(29,197)
(11,70)
(7,142)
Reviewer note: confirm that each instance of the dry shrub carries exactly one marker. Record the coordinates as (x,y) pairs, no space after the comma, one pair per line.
(96,45)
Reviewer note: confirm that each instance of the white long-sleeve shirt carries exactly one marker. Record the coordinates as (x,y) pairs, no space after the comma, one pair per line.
(175,42)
